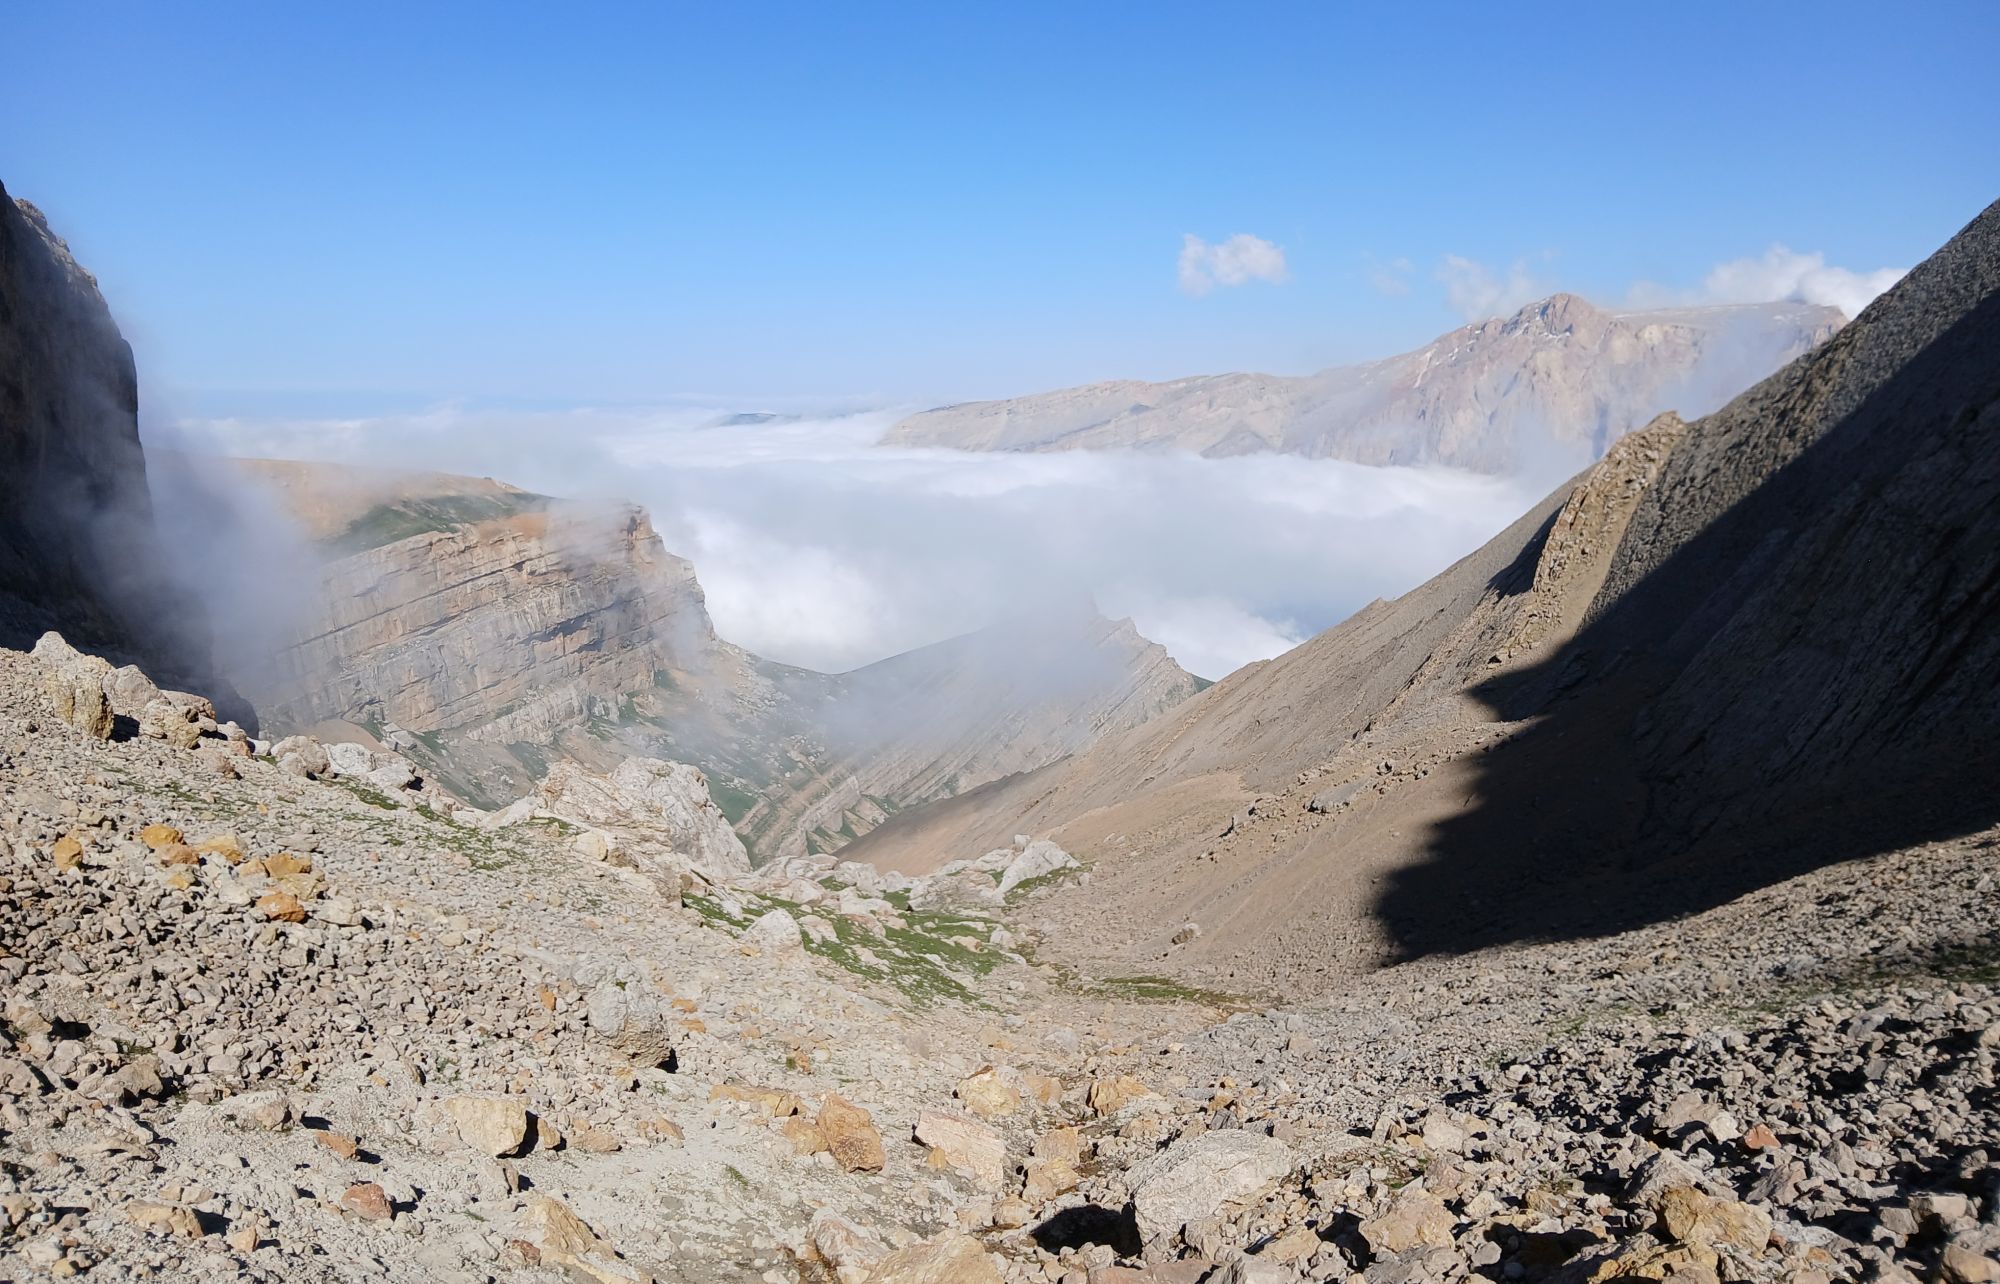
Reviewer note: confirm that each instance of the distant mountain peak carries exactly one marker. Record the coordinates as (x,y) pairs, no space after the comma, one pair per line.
(1560,372)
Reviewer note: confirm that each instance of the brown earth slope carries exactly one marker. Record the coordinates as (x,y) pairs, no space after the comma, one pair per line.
(1731,650)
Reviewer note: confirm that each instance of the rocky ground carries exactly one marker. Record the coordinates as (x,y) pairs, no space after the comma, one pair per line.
(269,1026)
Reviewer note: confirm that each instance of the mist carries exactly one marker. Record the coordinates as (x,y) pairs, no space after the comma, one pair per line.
(819,548)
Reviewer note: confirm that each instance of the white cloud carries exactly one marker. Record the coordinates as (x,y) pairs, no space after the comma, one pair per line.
(1477,292)
(1240,259)
(1785,274)
(818,547)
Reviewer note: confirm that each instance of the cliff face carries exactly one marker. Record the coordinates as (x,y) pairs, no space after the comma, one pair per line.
(79,551)
(72,475)
(1557,376)
(490,634)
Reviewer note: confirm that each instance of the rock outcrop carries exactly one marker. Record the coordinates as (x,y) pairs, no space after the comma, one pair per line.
(1560,379)
(651,802)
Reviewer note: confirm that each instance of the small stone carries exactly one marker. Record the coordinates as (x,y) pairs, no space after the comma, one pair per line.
(342,1145)
(159,835)
(1107,1095)
(281,907)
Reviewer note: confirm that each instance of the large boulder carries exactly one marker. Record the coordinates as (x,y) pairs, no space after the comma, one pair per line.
(632,1019)
(1039,858)
(666,802)
(1193,1179)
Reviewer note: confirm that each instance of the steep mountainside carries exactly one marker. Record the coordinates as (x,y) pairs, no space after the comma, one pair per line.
(78,547)
(1559,378)
(489,633)
(1733,649)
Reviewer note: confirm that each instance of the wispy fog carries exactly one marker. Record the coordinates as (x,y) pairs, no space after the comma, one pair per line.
(819,548)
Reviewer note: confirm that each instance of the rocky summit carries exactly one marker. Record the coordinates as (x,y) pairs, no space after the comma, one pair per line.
(1558,379)
(1618,905)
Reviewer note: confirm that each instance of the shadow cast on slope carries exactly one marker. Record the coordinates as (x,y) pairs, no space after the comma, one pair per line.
(1812,677)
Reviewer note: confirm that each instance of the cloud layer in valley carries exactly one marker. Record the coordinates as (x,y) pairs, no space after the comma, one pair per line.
(1241,259)
(819,548)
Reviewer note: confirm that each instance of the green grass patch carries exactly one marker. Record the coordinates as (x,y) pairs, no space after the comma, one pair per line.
(385,524)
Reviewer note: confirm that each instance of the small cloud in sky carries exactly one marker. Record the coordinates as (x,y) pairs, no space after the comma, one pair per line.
(1391,278)
(1476,291)
(1237,261)
(1780,274)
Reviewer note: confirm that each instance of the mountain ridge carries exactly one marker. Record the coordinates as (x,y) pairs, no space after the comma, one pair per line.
(1558,375)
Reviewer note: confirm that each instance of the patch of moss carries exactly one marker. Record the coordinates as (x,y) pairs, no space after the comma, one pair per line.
(385,524)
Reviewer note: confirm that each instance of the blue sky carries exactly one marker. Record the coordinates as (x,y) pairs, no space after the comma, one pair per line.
(336,208)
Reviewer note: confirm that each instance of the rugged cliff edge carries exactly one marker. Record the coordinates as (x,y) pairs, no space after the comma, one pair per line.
(78,546)
(489,633)
(1559,379)
(71,470)
(1734,649)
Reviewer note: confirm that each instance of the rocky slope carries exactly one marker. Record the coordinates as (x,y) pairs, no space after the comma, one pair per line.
(488,634)
(1558,380)
(268,1027)
(1734,649)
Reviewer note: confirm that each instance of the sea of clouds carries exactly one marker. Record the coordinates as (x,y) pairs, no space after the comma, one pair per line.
(820,548)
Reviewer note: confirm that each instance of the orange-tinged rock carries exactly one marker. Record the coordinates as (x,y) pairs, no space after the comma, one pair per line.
(769,1100)
(157,836)
(368,1201)
(280,864)
(281,907)
(804,1134)
(850,1134)
(338,1142)
(1113,1091)
(1760,1137)
(178,854)
(68,852)
(987,1093)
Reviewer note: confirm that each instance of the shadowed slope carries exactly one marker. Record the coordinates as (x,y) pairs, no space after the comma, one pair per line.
(1794,660)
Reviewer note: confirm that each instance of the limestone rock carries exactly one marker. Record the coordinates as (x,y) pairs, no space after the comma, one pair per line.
(851,1251)
(987,1094)
(1415,1218)
(949,1258)
(775,932)
(850,1134)
(669,800)
(1040,858)
(1194,1178)
(964,1145)
(634,1020)
(491,1125)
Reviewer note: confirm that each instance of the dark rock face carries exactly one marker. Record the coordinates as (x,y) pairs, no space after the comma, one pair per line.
(1795,656)
(72,476)
(79,551)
